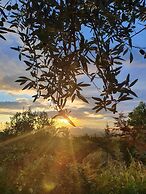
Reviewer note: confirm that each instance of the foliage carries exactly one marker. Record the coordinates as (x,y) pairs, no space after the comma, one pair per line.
(132,125)
(27,121)
(115,178)
(3,18)
(137,118)
(41,163)
(63,40)
(120,128)
(131,132)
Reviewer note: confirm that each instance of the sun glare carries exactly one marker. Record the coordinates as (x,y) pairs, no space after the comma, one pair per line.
(62,122)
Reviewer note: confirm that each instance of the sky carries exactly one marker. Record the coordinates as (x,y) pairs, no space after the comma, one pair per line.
(13,99)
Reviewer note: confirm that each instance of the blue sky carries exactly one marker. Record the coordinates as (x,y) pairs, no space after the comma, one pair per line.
(13,99)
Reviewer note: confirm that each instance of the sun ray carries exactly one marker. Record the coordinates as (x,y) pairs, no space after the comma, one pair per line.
(75,164)
(37,160)
(15,139)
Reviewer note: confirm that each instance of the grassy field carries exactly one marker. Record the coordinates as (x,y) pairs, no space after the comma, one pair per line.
(40,164)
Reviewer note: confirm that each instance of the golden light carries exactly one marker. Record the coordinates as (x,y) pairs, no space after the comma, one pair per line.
(62,122)
(49,186)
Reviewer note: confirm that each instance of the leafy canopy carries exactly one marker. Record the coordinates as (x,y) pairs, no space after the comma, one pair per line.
(137,117)
(27,121)
(65,39)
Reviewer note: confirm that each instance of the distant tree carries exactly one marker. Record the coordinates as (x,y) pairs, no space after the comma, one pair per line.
(131,132)
(27,121)
(63,40)
(133,125)
(137,121)
(120,128)
(137,118)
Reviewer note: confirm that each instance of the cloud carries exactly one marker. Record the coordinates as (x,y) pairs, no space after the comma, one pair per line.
(11,68)
(91,115)
(82,115)
(21,104)
(10,71)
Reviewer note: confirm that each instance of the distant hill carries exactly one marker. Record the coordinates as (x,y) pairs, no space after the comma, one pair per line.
(77,131)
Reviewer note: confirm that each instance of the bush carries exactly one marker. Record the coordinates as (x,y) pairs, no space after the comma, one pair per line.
(27,121)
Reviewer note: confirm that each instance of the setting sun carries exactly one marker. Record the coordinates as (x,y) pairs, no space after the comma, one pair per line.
(62,122)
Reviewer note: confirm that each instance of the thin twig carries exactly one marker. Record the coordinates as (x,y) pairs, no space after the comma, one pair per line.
(138,32)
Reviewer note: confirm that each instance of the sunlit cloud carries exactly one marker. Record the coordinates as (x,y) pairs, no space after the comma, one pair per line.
(91,115)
